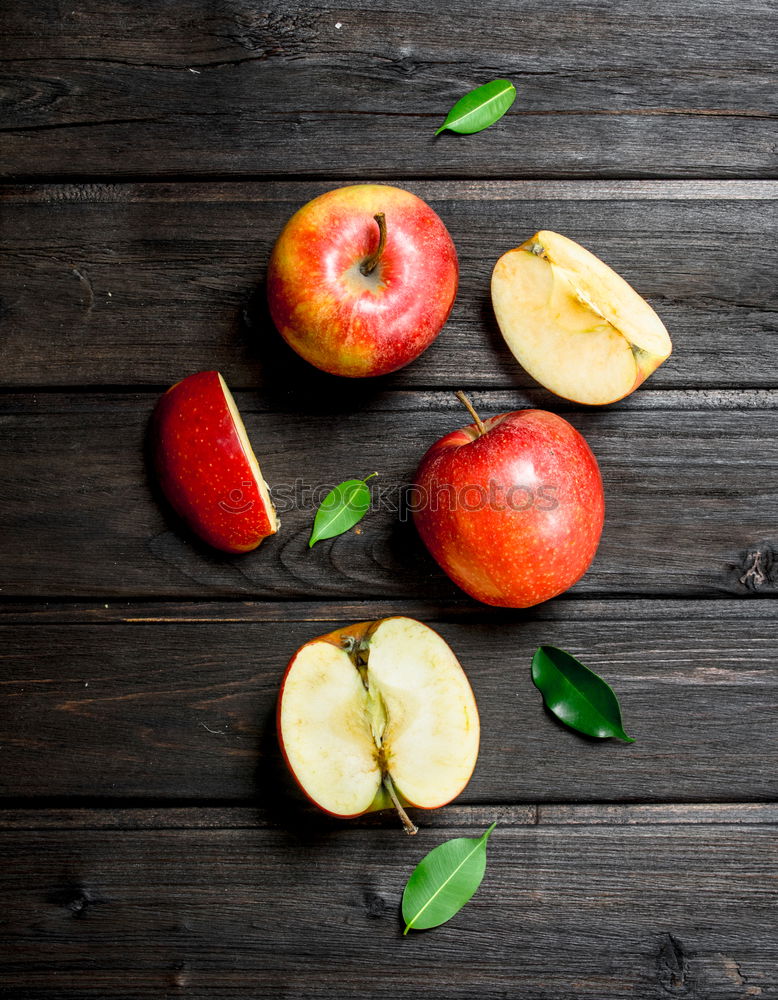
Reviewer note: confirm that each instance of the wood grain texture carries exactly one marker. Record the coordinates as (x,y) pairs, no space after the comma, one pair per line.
(691,509)
(462,609)
(454,816)
(585,912)
(152,844)
(605,89)
(184,710)
(142,284)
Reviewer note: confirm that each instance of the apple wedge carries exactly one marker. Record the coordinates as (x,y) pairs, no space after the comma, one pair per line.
(378,714)
(574,324)
(206,465)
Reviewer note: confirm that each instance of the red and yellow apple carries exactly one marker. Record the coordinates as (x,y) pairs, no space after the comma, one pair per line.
(511,507)
(574,324)
(206,466)
(362,279)
(378,714)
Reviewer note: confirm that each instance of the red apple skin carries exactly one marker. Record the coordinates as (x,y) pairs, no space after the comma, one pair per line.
(342,322)
(203,469)
(500,553)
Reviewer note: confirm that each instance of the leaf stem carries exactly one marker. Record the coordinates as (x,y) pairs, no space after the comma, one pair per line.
(410,826)
(370,263)
(471,410)
(372,474)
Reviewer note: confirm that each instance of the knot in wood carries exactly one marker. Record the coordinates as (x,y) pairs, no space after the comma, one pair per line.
(759,568)
(673,967)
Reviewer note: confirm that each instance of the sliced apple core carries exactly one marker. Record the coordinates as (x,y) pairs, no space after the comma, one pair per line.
(248,451)
(573,323)
(560,341)
(607,293)
(432,727)
(391,712)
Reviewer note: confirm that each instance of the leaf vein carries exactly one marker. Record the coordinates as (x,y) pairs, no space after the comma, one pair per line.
(443,885)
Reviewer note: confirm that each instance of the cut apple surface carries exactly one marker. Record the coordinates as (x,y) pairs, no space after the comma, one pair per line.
(574,324)
(376,714)
(207,467)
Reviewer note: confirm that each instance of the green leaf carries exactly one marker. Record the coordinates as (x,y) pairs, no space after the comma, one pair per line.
(576,695)
(341,509)
(444,881)
(480,108)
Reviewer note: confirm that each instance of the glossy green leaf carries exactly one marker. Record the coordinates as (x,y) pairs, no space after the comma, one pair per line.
(444,881)
(341,509)
(480,108)
(576,695)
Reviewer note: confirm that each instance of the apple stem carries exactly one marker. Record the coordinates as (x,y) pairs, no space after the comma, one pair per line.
(369,263)
(471,410)
(410,826)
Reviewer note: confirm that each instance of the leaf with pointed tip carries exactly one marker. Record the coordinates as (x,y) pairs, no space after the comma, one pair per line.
(576,695)
(341,509)
(444,881)
(480,108)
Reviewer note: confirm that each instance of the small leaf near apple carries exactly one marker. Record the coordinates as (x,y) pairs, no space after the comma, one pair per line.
(480,108)
(577,695)
(341,509)
(443,881)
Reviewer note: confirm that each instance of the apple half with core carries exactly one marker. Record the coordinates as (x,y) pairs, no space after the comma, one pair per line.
(206,466)
(378,714)
(511,507)
(362,279)
(574,324)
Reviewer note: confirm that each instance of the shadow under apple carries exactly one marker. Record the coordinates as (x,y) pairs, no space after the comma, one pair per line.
(286,380)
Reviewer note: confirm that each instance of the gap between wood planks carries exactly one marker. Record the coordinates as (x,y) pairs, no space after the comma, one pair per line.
(239,611)
(191,817)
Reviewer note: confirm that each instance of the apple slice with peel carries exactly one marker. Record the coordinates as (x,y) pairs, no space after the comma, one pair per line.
(378,714)
(573,323)
(207,467)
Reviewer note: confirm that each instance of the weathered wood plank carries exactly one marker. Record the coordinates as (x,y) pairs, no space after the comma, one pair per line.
(136,285)
(236,817)
(628,815)
(455,816)
(185,710)
(604,89)
(691,508)
(570,609)
(590,911)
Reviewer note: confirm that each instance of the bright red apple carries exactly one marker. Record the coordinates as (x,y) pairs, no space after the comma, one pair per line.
(206,465)
(362,279)
(511,507)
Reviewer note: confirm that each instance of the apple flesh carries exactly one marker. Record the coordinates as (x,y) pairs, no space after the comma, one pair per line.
(362,279)
(574,324)
(511,507)
(378,714)
(206,466)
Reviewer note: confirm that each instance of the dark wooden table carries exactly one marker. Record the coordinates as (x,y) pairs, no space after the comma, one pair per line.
(149,840)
